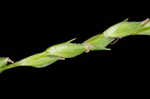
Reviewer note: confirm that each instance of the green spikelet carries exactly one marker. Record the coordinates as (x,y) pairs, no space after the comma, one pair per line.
(70,50)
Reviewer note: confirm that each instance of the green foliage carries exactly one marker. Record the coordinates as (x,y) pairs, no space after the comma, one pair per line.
(66,50)
(123,29)
(145,30)
(98,42)
(38,60)
(70,50)
(3,61)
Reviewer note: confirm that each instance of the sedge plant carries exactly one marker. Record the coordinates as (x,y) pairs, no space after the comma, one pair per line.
(69,50)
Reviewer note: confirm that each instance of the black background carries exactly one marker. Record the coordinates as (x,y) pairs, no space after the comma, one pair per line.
(23,34)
